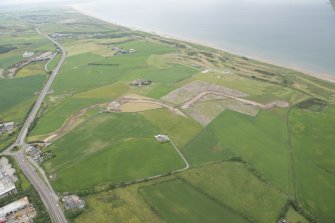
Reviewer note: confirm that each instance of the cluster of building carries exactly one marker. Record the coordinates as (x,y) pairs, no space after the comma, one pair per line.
(162,138)
(36,154)
(58,36)
(16,67)
(123,51)
(18,211)
(114,106)
(6,127)
(140,82)
(27,54)
(7,178)
(73,202)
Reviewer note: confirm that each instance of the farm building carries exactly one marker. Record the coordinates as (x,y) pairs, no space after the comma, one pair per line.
(162,138)
(27,54)
(140,82)
(6,127)
(73,202)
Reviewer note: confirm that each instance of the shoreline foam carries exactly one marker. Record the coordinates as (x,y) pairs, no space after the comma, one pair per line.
(325,77)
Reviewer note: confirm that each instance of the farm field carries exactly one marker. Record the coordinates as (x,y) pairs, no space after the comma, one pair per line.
(312,141)
(236,187)
(176,201)
(263,146)
(110,148)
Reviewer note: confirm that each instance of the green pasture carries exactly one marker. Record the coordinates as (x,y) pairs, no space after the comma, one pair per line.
(313,148)
(109,148)
(233,185)
(16,91)
(176,201)
(260,140)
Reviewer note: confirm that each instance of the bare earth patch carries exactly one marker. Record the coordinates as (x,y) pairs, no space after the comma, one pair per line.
(134,101)
(191,90)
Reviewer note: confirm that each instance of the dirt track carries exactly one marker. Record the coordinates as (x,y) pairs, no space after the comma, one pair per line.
(282,104)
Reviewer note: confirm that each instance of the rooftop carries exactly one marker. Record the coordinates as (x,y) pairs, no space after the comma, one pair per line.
(14,206)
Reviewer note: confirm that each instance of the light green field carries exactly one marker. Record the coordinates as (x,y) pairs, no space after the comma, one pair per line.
(178,202)
(313,148)
(119,205)
(235,186)
(178,128)
(110,148)
(261,141)
(31,69)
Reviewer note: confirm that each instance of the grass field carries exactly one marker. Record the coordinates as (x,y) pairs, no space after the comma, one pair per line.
(173,125)
(262,141)
(294,217)
(313,142)
(16,91)
(110,148)
(233,185)
(119,205)
(176,201)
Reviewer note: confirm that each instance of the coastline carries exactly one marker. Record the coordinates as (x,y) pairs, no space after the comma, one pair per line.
(324,77)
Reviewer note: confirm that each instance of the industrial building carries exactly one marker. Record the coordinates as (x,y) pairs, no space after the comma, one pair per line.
(9,212)
(7,185)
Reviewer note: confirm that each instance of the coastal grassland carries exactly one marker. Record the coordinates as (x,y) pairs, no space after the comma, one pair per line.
(313,148)
(260,140)
(59,111)
(180,129)
(95,70)
(236,187)
(96,77)
(177,201)
(109,148)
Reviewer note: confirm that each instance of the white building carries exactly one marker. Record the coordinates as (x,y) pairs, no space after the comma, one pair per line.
(162,138)
(14,207)
(6,185)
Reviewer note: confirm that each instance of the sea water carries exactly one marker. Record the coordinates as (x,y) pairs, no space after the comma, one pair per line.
(295,33)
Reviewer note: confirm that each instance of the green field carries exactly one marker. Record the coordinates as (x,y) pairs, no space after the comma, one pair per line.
(178,202)
(233,185)
(110,148)
(261,141)
(313,142)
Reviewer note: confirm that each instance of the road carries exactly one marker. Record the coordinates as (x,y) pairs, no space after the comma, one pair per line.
(46,193)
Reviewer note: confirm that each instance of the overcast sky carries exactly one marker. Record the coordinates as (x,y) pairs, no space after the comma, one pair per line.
(4,2)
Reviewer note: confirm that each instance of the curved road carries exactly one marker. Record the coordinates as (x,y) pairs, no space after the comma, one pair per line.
(46,193)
